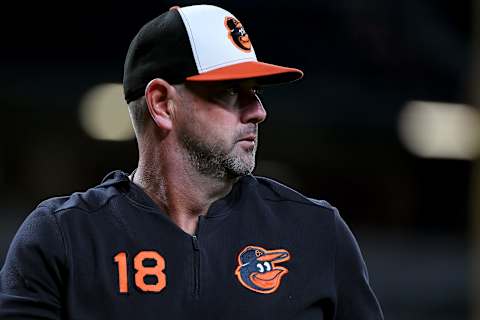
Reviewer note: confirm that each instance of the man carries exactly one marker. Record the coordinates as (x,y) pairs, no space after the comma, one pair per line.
(190,233)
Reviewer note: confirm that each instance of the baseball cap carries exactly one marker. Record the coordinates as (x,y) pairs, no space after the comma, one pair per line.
(196,43)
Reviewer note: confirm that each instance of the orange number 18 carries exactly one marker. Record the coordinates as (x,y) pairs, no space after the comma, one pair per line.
(141,271)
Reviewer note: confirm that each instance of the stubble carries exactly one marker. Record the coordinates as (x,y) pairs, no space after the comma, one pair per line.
(215,160)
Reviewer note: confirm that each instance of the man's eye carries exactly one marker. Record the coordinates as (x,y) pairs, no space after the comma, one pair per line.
(232,91)
(235,92)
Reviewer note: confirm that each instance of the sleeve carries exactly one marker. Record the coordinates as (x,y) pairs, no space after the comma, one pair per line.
(34,270)
(355,297)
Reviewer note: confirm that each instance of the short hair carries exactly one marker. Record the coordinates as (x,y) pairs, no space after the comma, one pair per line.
(139,115)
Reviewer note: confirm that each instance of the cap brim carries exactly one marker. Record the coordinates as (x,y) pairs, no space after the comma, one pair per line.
(264,73)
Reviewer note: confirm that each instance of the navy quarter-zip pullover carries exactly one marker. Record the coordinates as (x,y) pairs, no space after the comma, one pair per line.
(262,252)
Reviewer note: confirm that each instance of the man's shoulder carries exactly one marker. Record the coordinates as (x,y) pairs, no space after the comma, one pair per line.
(90,200)
(272,190)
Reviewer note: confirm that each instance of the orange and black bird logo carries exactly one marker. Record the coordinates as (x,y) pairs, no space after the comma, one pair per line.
(237,34)
(257,268)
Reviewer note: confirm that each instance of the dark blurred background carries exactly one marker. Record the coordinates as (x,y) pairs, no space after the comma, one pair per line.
(334,135)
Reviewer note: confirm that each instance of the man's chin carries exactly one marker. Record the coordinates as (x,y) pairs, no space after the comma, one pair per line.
(240,165)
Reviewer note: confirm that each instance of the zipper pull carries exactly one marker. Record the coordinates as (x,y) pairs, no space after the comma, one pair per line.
(195,242)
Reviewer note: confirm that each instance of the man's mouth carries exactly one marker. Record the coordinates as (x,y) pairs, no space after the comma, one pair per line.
(250,137)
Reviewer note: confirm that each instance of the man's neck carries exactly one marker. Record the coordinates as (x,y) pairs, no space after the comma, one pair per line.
(180,191)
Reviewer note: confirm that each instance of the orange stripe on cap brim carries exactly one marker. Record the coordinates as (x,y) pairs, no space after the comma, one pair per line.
(265,73)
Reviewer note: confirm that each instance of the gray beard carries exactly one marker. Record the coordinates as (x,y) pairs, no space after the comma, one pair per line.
(212,161)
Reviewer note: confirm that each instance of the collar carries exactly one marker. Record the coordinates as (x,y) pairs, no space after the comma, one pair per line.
(136,194)
(114,177)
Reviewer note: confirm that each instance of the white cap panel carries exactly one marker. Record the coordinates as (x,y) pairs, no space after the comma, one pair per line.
(209,37)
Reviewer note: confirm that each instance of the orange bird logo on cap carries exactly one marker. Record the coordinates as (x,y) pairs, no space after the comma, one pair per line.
(237,34)
(257,269)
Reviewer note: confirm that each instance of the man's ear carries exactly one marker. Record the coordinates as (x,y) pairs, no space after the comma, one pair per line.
(158,95)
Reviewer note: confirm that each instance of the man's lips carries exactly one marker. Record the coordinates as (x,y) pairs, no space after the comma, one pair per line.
(250,137)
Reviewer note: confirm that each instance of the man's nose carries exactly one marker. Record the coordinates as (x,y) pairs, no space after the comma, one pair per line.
(252,109)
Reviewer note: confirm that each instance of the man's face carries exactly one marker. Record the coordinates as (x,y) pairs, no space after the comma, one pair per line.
(217,126)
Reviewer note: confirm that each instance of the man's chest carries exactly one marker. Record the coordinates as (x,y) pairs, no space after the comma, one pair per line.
(229,269)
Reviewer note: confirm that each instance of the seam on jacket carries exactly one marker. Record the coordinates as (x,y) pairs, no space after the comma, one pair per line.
(58,210)
(306,202)
(61,233)
(277,186)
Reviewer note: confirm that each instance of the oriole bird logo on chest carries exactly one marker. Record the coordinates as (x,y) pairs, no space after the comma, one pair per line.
(257,269)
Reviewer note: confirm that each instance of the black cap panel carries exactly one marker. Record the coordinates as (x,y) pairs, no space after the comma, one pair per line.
(161,49)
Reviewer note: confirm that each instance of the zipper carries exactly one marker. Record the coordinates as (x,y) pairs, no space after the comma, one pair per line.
(196,262)
(196,267)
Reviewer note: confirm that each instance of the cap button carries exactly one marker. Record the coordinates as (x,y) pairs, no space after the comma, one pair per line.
(174,8)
